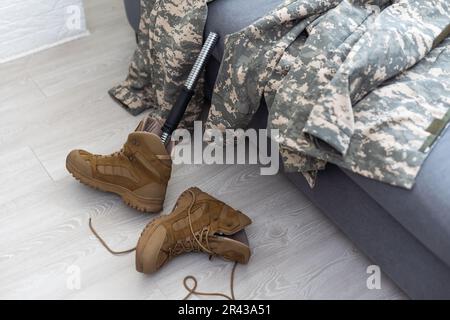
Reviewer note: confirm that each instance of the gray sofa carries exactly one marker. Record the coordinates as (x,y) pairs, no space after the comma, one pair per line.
(406,233)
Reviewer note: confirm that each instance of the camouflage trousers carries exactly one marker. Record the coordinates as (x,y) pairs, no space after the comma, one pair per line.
(170,37)
(346,82)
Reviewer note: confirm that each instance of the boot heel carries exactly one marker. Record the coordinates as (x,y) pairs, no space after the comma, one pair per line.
(142,204)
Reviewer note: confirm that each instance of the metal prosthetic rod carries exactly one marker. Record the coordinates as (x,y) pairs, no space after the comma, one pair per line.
(178,110)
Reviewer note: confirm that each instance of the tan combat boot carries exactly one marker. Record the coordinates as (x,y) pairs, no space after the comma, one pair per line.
(139,172)
(198,222)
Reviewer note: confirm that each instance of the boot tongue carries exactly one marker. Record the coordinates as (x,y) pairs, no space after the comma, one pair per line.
(154,126)
(140,126)
(150,125)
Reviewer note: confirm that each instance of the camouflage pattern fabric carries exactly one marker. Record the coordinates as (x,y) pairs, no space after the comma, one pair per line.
(396,124)
(346,81)
(329,41)
(400,36)
(252,54)
(350,51)
(367,66)
(256,60)
(170,37)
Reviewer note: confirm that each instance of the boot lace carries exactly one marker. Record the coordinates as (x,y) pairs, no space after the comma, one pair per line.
(199,241)
(190,245)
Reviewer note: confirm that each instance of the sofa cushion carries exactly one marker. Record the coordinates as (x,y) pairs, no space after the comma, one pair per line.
(229,16)
(424,210)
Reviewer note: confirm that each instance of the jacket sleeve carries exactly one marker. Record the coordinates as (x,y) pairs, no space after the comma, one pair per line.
(402,35)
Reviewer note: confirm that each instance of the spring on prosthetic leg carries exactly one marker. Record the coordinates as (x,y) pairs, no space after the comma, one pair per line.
(178,110)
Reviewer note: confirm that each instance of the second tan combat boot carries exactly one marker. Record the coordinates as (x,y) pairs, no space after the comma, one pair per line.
(139,172)
(198,222)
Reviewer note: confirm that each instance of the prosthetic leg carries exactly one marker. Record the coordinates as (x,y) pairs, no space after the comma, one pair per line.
(178,110)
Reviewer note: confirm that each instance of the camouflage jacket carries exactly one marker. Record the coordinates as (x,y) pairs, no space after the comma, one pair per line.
(363,84)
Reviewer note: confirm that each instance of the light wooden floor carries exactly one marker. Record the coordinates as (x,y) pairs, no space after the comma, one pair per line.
(57,100)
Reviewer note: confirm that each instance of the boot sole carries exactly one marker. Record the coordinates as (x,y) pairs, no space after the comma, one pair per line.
(129,198)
